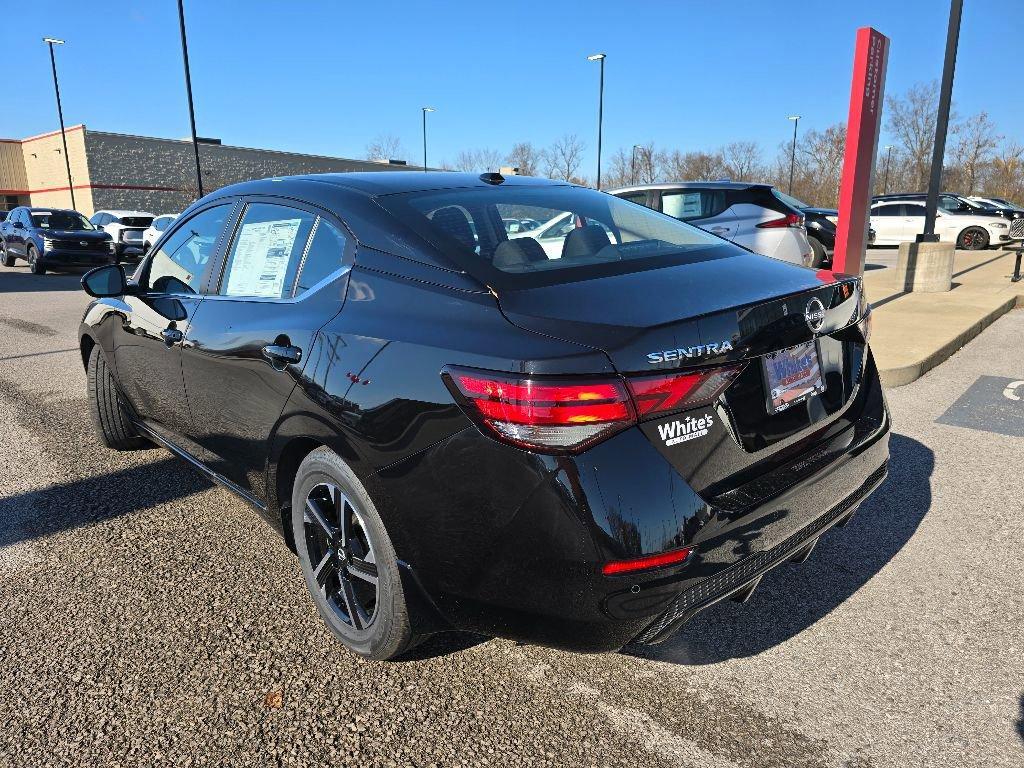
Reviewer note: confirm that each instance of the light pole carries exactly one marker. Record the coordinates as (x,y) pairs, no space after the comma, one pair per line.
(188,89)
(792,154)
(888,157)
(52,41)
(632,164)
(600,112)
(425,110)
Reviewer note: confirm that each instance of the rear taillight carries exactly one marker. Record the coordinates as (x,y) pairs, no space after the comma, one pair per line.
(660,560)
(546,415)
(664,394)
(789,220)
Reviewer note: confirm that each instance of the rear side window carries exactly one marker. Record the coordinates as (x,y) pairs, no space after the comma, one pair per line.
(266,251)
(887,210)
(635,197)
(912,209)
(686,204)
(324,257)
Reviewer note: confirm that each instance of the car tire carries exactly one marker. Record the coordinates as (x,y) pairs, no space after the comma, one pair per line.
(34,264)
(818,253)
(973,239)
(6,257)
(341,541)
(109,414)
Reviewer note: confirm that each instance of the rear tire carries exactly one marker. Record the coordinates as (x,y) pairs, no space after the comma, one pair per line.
(341,546)
(33,261)
(973,239)
(818,254)
(6,257)
(109,414)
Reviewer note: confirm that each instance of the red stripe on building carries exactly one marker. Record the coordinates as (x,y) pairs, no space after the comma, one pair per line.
(88,186)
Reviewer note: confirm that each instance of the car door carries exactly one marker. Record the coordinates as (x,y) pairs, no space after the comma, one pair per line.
(16,233)
(146,344)
(704,208)
(284,275)
(912,221)
(887,221)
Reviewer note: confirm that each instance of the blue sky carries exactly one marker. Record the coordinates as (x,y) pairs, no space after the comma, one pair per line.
(327,77)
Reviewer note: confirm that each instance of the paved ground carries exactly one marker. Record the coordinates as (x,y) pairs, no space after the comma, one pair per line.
(149,618)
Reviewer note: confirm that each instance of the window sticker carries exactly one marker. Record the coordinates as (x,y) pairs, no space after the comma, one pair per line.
(261,258)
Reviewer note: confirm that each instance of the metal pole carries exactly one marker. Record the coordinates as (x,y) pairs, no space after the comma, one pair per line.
(632,166)
(888,157)
(600,123)
(188,88)
(956,8)
(424,141)
(792,154)
(60,116)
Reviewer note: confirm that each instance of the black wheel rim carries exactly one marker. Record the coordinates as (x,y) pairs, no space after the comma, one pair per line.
(344,563)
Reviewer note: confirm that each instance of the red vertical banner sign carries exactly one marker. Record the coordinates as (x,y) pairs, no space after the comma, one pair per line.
(862,129)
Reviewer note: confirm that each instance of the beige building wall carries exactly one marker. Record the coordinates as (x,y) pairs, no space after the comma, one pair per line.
(46,174)
(12,169)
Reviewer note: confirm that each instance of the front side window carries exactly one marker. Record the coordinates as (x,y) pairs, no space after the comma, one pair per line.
(181,262)
(60,220)
(585,233)
(266,252)
(887,210)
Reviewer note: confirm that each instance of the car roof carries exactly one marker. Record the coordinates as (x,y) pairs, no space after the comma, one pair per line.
(691,185)
(125,213)
(44,209)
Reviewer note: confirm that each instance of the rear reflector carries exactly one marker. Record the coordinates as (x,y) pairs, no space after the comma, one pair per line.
(789,220)
(661,395)
(674,557)
(547,415)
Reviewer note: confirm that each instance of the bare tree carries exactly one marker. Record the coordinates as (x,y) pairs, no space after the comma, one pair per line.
(1005,176)
(975,143)
(384,147)
(564,158)
(741,161)
(694,166)
(478,160)
(911,119)
(527,158)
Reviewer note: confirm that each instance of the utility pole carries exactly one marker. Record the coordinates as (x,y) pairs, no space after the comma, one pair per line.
(188,89)
(792,154)
(52,41)
(600,57)
(425,110)
(888,157)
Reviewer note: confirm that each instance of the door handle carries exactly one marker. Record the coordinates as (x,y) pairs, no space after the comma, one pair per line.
(282,355)
(719,230)
(171,336)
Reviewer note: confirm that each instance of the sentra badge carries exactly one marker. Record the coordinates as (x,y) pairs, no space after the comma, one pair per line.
(685,353)
(690,428)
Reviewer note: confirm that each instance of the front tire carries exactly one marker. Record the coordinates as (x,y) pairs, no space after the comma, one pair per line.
(109,414)
(348,560)
(973,239)
(6,257)
(34,263)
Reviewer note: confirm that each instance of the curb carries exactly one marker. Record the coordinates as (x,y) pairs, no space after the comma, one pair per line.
(905,374)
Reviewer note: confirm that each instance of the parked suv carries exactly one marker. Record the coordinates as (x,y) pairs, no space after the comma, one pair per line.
(126,228)
(456,431)
(49,238)
(752,215)
(155,229)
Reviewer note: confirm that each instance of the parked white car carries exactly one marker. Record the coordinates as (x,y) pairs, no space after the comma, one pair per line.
(126,228)
(751,215)
(901,221)
(153,231)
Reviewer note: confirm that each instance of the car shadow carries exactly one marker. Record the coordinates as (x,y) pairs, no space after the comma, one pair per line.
(1020,721)
(20,280)
(78,503)
(793,597)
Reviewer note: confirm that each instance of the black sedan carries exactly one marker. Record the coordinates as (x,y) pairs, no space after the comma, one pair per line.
(458,430)
(52,238)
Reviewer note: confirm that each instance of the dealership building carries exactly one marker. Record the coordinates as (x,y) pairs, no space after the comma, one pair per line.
(111,171)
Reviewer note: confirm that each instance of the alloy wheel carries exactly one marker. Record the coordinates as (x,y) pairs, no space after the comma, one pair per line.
(343,561)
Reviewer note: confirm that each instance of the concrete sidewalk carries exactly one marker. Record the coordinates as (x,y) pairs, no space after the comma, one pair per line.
(914,332)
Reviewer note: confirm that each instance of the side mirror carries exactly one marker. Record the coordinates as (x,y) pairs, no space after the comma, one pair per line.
(17,225)
(106,281)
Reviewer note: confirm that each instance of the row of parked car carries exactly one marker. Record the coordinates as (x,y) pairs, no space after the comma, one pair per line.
(55,238)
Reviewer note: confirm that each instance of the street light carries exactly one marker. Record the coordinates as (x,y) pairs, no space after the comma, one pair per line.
(600,112)
(52,41)
(888,157)
(425,110)
(792,154)
(191,106)
(632,164)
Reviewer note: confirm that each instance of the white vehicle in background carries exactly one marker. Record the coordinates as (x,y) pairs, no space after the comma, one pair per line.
(153,231)
(126,228)
(552,233)
(901,221)
(751,215)
(996,202)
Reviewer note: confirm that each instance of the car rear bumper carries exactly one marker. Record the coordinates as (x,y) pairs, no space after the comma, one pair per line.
(128,250)
(509,543)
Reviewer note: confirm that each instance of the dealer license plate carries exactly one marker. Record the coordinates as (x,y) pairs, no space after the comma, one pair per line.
(792,375)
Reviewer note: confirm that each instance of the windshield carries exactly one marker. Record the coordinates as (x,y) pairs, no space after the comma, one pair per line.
(585,233)
(66,220)
(789,199)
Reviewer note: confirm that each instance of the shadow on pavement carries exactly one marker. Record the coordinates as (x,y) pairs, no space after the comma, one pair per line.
(91,500)
(793,597)
(1020,722)
(23,281)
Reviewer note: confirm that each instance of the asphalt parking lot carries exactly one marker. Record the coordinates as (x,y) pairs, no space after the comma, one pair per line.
(149,618)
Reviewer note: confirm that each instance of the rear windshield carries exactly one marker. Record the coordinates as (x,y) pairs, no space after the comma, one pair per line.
(580,233)
(67,220)
(137,221)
